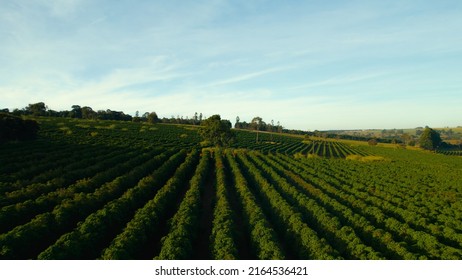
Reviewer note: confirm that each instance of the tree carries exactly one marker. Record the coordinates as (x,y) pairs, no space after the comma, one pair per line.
(406,138)
(37,109)
(430,139)
(136,118)
(256,125)
(271,129)
(217,131)
(196,118)
(76,111)
(153,118)
(113,115)
(237,125)
(88,113)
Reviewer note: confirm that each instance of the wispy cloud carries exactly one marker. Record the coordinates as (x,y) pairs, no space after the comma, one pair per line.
(126,77)
(58,90)
(245,77)
(341,80)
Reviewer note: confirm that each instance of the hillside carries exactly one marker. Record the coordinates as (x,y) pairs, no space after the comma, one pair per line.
(87,189)
(452,135)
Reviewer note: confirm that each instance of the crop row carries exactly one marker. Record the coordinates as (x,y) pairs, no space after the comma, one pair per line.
(292,145)
(166,204)
(118,133)
(27,240)
(382,214)
(450,152)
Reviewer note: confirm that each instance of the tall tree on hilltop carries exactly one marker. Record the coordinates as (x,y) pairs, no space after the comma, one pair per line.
(256,125)
(272,127)
(237,125)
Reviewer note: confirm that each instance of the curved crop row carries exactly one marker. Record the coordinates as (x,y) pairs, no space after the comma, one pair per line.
(27,240)
(64,176)
(65,168)
(19,213)
(342,237)
(88,239)
(409,228)
(144,225)
(303,240)
(328,196)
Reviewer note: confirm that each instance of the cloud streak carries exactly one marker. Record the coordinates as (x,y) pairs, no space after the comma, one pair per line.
(340,81)
(245,77)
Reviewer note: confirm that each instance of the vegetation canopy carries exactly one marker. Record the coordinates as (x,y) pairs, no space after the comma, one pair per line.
(14,128)
(217,132)
(430,139)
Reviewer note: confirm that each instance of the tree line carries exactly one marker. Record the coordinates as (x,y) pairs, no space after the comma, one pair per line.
(77,111)
(86,112)
(257,123)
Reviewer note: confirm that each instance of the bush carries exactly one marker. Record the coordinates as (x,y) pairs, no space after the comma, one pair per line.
(372,142)
(313,156)
(299,156)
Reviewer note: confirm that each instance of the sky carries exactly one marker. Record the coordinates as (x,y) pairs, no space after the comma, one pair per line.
(309,64)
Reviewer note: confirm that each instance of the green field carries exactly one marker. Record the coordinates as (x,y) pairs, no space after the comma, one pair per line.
(120,190)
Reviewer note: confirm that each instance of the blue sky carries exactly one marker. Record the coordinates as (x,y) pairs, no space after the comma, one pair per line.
(308,64)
